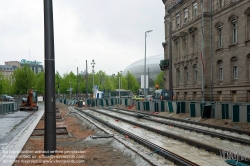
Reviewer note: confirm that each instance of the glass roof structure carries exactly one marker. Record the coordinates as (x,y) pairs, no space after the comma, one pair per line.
(152,67)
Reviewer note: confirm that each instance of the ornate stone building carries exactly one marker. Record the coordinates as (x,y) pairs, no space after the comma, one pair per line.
(226,49)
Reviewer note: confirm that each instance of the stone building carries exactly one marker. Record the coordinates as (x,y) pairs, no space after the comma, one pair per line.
(226,49)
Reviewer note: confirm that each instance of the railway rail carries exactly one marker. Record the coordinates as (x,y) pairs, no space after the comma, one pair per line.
(190,128)
(191,142)
(193,122)
(177,159)
(190,149)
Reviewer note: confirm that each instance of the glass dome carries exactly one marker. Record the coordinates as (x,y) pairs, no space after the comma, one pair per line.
(152,68)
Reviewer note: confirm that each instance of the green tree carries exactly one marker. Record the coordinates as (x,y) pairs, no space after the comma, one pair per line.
(132,84)
(40,83)
(160,80)
(24,80)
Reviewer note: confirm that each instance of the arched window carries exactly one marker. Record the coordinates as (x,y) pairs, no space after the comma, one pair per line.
(234,29)
(248,66)
(248,25)
(186,75)
(247,13)
(178,76)
(220,70)
(234,67)
(194,10)
(177,50)
(194,43)
(219,36)
(195,74)
(220,3)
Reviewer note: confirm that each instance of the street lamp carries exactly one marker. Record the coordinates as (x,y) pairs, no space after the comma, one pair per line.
(145,64)
(70,89)
(93,72)
(121,79)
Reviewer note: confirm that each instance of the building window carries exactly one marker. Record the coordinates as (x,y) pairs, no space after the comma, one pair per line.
(194,43)
(234,28)
(177,50)
(235,72)
(195,74)
(248,67)
(194,10)
(248,26)
(234,68)
(219,36)
(220,70)
(221,73)
(185,15)
(219,3)
(177,20)
(178,77)
(186,75)
(184,48)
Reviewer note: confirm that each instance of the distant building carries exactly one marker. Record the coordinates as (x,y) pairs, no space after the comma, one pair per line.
(10,66)
(7,71)
(226,49)
(152,68)
(35,66)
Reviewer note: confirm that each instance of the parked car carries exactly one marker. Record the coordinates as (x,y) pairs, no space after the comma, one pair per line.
(137,97)
(149,97)
(10,98)
(162,94)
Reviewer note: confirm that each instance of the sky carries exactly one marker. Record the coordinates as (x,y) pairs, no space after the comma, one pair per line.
(111,32)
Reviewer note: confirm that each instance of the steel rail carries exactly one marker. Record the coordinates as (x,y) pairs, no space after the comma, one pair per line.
(159,150)
(192,122)
(190,128)
(206,147)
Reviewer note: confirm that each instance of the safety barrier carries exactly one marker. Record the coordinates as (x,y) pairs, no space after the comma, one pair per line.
(240,112)
(172,107)
(223,111)
(6,108)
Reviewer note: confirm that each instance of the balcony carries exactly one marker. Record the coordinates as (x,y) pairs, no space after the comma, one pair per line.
(164,64)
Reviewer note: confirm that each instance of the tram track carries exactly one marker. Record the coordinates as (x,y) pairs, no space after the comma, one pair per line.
(192,122)
(208,147)
(177,159)
(190,128)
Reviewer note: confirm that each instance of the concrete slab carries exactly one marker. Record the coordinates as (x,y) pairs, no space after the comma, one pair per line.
(11,146)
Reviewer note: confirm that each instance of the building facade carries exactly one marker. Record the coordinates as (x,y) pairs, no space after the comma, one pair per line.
(10,66)
(224,41)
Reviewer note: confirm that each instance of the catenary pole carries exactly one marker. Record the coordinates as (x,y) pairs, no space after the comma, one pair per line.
(50,106)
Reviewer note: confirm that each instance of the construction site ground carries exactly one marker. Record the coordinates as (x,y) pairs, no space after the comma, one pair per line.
(73,149)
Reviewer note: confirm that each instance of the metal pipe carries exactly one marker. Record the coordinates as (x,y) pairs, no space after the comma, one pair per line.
(211,49)
(144,90)
(170,64)
(77,85)
(50,105)
(87,93)
(93,72)
(119,79)
(202,52)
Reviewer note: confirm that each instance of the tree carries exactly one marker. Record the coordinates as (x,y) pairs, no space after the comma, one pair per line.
(160,80)
(40,82)
(132,84)
(24,80)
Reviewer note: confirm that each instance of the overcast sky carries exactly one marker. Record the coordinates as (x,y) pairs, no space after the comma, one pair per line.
(112,32)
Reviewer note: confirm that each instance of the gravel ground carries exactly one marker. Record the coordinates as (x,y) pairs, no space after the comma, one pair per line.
(74,149)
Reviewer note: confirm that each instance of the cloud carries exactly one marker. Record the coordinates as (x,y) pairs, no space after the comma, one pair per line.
(111,32)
